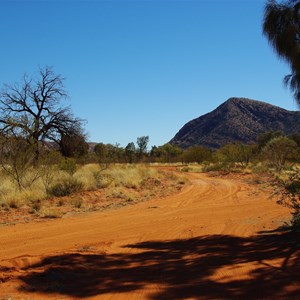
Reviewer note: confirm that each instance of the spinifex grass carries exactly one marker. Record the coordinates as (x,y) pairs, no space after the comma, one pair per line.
(91,187)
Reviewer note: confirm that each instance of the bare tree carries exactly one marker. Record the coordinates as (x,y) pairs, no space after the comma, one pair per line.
(33,110)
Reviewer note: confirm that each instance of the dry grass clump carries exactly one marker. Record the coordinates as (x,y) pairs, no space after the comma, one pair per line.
(226,167)
(121,193)
(132,183)
(65,187)
(131,176)
(58,191)
(86,175)
(12,197)
(191,168)
(49,212)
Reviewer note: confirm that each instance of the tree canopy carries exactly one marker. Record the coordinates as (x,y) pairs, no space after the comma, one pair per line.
(281,26)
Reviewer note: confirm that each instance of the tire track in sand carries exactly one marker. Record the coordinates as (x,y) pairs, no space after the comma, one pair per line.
(208,206)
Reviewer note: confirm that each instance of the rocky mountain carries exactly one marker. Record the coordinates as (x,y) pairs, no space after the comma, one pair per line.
(236,120)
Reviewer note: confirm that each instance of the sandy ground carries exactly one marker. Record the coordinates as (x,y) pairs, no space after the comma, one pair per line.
(216,239)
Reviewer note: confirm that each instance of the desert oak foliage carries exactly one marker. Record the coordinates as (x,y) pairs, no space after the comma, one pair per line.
(281,26)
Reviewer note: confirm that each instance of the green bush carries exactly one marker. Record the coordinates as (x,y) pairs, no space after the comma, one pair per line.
(260,168)
(280,150)
(290,196)
(295,222)
(65,188)
(68,165)
(197,154)
(293,187)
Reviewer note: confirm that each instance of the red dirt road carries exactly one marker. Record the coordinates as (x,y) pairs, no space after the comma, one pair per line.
(213,240)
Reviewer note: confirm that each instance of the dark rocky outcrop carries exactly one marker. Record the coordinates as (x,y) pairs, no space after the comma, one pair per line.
(236,120)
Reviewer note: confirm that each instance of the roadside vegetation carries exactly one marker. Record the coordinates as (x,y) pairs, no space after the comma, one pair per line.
(58,190)
(47,169)
(109,176)
(281,28)
(273,162)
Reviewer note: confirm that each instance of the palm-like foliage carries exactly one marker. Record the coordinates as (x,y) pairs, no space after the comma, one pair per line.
(282,27)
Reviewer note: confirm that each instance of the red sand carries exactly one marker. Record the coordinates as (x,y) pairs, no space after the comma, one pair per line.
(215,239)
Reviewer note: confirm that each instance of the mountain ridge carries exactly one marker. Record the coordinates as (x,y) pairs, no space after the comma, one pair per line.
(236,120)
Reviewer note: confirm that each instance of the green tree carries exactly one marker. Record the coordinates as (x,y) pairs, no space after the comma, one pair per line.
(101,151)
(166,153)
(68,165)
(173,153)
(142,143)
(73,145)
(236,153)
(130,152)
(155,153)
(108,153)
(280,150)
(265,137)
(281,26)
(115,153)
(296,138)
(197,154)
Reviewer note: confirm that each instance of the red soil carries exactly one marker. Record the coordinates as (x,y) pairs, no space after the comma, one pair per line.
(215,239)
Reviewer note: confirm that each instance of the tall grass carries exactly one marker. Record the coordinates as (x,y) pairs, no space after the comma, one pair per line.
(119,181)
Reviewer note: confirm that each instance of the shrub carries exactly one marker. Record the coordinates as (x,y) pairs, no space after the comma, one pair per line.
(121,193)
(260,168)
(295,222)
(197,154)
(68,165)
(289,191)
(48,174)
(17,160)
(65,188)
(102,180)
(293,187)
(235,153)
(280,150)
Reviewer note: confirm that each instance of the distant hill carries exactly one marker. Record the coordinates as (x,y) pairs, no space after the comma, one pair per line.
(236,120)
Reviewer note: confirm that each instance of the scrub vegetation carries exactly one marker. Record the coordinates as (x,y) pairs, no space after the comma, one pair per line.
(47,168)
(58,193)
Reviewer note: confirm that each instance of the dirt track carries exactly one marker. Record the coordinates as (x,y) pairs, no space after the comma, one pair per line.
(213,240)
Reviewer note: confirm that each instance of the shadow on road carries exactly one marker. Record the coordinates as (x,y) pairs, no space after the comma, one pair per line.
(183,267)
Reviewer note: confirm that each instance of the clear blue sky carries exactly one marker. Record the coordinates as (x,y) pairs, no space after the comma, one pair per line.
(137,68)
